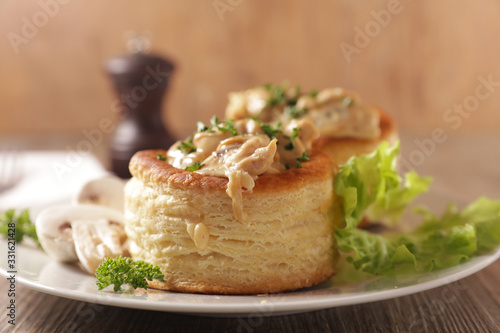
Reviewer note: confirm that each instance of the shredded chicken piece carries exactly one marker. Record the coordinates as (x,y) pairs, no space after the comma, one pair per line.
(241,159)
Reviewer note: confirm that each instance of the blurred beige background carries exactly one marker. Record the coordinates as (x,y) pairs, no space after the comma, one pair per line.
(416,59)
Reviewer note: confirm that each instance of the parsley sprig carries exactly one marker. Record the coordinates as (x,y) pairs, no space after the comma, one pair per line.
(22,224)
(125,271)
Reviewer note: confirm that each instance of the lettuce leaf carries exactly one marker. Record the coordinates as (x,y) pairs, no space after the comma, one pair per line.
(369,185)
(440,242)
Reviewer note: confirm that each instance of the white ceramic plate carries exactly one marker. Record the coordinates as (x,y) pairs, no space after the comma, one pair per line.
(37,271)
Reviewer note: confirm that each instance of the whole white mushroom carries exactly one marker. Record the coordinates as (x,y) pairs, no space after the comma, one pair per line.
(107,191)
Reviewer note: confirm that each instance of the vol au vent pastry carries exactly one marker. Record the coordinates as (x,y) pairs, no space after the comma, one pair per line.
(240,208)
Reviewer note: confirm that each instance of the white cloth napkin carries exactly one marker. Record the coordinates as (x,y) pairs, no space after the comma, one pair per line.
(48,178)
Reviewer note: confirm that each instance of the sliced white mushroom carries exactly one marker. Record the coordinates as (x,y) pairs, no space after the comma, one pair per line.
(55,225)
(96,240)
(106,191)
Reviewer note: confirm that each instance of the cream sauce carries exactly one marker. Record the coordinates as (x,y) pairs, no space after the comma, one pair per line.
(243,157)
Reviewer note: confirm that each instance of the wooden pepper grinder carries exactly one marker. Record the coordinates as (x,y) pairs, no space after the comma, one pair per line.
(140,81)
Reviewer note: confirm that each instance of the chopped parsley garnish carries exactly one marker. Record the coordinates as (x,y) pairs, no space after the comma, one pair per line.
(295,133)
(214,121)
(194,167)
(17,226)
(223,126)
(278,95)
(303,158)
(187,146)
(125,271)
(161,157)
(200,127)
(313,93)
(293,112)
(271,131)
(347,101)
(227,126)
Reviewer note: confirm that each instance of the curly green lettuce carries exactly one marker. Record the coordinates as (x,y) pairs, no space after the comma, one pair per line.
(369,185)
(440,242)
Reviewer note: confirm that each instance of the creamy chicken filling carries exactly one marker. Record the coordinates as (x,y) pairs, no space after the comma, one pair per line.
(335,111)
(243,150)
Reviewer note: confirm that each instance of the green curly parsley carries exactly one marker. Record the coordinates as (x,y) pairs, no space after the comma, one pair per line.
(23,226)
(125,271)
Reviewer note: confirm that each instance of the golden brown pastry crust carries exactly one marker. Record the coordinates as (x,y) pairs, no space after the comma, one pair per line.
(145,165)
(285,244)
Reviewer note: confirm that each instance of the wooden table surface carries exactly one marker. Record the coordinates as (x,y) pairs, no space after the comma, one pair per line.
(467,165)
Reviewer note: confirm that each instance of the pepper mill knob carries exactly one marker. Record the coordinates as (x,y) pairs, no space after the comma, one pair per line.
(140,81)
